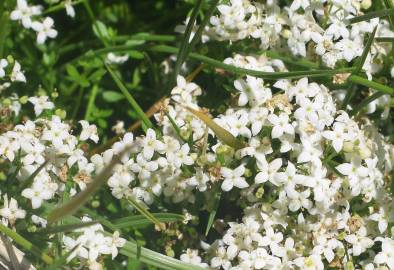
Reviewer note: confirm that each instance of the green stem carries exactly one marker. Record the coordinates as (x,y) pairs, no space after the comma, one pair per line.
(365,102)
(371,84)
(4,20)
(130,98)
(92,98)
(20,240)
(256,73)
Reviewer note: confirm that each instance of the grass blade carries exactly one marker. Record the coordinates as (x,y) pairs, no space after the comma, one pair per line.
(223,135)
(365,102)
(24,243)
(130,98)
(185,41)
(66,228)
(372,84)
(371,15)
(148,215)
(213,212)
(261,74)
(140,221)
(359,66)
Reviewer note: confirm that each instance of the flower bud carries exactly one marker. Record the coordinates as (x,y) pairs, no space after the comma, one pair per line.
(349,266)
(7,102)
(54,94)
(366,4)
(61,113)
(348,147)
(10,59)
(24,99)
(95,204)
(260,193)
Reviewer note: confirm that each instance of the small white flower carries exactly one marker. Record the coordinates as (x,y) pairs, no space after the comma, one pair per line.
(3,64)
(44,30)
(40,104)
(88,131)
(17,74)
(233,178)
(11,212)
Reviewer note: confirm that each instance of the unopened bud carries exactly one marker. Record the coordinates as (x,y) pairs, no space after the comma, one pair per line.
(348,147)
(24,99)
(366,4)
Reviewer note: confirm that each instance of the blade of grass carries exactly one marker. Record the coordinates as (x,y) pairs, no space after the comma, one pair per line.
(25,244)
(359,66)
(384,39)
(371,84)
(223,135)
(371,15)
(92,98)
(140,221)
(213,211)
(129,98)
(65,228)
(389,4)
(200,30)
(365,102)
(4,26)
(143,211)
(185,41)
(243,71)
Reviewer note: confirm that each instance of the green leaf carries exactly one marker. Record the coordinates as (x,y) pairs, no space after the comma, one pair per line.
(256,73)
(213,211)
(73,72)
(371,84)
(100,30)
(140,221)
(135,54)
(359,66)
(182,53)
(130,98)
(148,215)
(25,244)
(112,96)
(365,102)
(223,135)
(65,228)
(371,15)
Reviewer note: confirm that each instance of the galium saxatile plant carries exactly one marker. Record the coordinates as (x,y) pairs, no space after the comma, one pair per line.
(282,172)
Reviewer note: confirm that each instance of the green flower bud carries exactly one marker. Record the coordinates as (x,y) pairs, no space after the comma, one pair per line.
(260,192)
(7,102)
(24,99)
(54,94)
(61,113)
(349,266)
(95,204)
(348,147)
(10,59)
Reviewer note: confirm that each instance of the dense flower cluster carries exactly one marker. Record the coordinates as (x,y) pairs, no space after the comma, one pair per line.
(313,182)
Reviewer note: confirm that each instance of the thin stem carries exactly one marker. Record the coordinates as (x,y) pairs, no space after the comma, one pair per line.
(92,98)
(371,84)
(20,240)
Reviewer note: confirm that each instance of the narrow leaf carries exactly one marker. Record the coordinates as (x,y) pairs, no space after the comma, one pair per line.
(371,15)
(223,135)
(365,102)
(129,98)
(140,221)
(66,228)
(371,84)
(213,212)
(25,244)
(145,213)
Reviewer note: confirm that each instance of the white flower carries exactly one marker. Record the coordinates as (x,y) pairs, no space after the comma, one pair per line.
(200,180)
(267,170)
(180,157)
(24,12)
(337,136)
(11,212)
(150,144)
(88,131)
(41,103)
(116,59)
(69,8)
(271,238)
(3,64)
(359,241)
(143,167)
(44,30)
(280,125)
(252,91)
(115,243)
(233,178)
(17,74)
(354,169)
(37,194)
(191,256)
(386,256)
